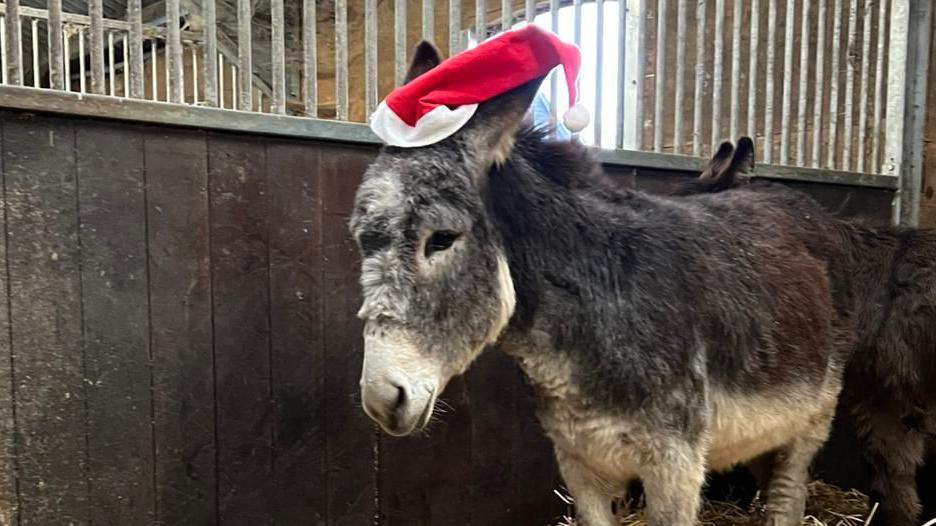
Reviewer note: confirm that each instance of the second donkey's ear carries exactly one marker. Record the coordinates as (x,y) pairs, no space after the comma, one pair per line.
(719,163)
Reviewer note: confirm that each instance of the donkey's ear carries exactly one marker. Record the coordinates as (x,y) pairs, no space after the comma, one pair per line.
(743,160)
(425,57)
(490,132)
(718,163)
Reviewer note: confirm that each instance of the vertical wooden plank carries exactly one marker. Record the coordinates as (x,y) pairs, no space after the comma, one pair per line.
(209,11)
(244,55)
(278,48)
(351,438)
(718,72)
(96,13)
(491,392)
(297,302)
(803,94)
(135,65)
(240,299)
(659,76)
(786,107)
(770,76)
(850,69)
(423,479)
(753,66)
(174,76)
(180,316)
(309,62)
(370,57)
(56,62)
(533,460)
(399,41)
(341,60)
(735,116)
(835,78)
(45,284)
(116,330)
(701,40)
(13,52)
(819,97)
(681,14)
(9,498)
(865,79)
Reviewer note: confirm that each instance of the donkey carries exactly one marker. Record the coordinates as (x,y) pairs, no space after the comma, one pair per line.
(663,336)
(890,275)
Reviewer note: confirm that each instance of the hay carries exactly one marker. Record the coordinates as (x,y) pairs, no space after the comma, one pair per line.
(827,506)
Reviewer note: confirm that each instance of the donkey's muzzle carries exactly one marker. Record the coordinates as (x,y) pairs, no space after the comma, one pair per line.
(397,390)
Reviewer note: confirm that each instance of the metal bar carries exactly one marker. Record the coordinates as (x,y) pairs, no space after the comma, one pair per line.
(865,77)
(210,19)
(638,52)
(3,49)
(126,63)
(174,51)
(480,25)
(134,69)
(820,85)
(769,80)
(454,26)
(245,53)
(112,81)
(787,104)
(701,37)
(599,58)
(96,13)
(850,86)
(752,70)
(309,61)
(834,82)
(81,60)
(13,49)
(622,64)
(341,58)
(67,63)
(530,11)
(735,70)
(56,60)
(428,20)
(234,93)
(659,76)
(278,49)
(399,38)
(718,72)
(221,69)
(506,13)
(153,69)
(803,87)
(683,7)
(370,55)
(879,87)
(194,75)
(898,56)
(916,68)
(35,51)
(577,15)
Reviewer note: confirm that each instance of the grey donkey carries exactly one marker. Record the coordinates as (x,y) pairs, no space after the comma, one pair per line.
(663,336)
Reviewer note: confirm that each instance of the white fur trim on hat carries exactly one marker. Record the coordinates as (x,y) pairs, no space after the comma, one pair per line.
(439,123)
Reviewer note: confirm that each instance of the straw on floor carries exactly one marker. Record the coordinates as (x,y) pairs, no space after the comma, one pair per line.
(827,506)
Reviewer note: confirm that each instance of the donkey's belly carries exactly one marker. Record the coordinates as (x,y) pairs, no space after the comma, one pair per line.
(744,426)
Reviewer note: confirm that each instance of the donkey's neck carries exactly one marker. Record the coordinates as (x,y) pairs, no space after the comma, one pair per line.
(564,226)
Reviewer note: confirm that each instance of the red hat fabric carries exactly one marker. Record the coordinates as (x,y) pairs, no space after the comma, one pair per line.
(438,103)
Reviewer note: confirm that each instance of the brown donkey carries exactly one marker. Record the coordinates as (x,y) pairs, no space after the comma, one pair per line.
(886,281)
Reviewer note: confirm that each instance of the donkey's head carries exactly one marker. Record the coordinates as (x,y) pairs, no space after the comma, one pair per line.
(436,286)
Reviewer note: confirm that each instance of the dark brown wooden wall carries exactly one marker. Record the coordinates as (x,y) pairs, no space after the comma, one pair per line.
(178,343)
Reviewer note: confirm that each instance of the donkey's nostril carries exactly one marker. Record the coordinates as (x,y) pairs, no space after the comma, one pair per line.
(400,400)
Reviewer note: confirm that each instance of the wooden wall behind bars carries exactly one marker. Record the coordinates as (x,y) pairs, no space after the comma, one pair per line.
(179,343)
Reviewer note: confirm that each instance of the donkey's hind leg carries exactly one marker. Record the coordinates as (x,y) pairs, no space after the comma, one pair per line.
(786,491)
(895,452)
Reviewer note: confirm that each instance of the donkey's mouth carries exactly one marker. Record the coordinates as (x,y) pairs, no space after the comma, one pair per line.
(426,413)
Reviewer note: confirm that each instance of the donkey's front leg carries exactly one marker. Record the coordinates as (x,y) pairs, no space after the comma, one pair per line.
(592,502)
(673,485)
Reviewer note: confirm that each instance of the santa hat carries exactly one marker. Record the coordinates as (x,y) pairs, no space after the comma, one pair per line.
(439,102)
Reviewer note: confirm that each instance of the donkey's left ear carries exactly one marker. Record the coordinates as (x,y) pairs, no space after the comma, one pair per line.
(425,57)
(490,132)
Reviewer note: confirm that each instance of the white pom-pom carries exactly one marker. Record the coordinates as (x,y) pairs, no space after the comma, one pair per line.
(576,119)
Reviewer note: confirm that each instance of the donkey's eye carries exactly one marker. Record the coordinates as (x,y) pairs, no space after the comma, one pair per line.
(439,241)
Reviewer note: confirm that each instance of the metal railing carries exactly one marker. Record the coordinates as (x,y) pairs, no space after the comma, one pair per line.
(820,83)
